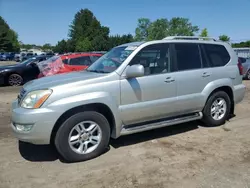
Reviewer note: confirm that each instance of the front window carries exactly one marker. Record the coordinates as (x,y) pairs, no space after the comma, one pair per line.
(112,59)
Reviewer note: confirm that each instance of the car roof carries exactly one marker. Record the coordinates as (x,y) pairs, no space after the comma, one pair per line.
(74,55)
(138,43)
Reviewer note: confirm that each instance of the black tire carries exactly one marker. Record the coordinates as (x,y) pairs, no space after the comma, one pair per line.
(61,138)
(207,117)
(17,76)
(248,75)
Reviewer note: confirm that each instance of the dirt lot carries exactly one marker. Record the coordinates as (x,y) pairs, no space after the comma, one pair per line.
(186,155)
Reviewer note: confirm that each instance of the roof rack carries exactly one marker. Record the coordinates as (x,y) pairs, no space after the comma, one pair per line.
(188,38)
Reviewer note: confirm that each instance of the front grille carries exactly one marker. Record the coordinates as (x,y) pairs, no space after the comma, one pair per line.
(21,94)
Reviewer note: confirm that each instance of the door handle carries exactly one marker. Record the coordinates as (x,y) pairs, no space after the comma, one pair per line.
(169,80)
(205,74)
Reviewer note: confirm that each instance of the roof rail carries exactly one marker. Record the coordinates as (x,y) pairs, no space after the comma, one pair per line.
(188,38)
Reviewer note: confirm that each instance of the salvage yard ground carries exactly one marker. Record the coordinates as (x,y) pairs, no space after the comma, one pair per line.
(186,155)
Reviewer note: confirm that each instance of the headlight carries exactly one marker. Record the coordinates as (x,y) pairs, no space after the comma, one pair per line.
(35,99)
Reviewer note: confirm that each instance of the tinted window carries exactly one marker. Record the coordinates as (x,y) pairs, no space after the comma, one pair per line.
(242,59)
(187,56)
(155,59)
(94,58)
(65,61)
(84,61)
(216,55)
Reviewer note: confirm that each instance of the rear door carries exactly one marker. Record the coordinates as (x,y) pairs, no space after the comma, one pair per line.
(192,76)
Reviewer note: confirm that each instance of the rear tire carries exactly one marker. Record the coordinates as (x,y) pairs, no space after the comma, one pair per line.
(75,142)
(217,109)
(248,75)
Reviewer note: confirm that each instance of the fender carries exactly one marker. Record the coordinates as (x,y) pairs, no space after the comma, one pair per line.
(105,98)
(210,87)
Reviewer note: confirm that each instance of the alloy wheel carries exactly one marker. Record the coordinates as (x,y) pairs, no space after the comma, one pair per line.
(85,137)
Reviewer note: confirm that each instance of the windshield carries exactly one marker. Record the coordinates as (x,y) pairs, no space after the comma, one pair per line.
(111,60)
(28,61)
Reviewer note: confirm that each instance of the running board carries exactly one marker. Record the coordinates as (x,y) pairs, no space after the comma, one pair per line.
(130,129)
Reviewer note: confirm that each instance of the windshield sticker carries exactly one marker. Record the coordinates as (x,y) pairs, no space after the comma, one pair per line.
(131,48)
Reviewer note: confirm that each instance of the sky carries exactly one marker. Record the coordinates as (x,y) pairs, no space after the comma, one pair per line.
(47,21)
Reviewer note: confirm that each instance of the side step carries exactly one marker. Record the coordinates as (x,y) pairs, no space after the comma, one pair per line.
(135,128)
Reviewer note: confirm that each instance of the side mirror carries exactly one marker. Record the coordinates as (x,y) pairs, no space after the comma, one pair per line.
(135,71)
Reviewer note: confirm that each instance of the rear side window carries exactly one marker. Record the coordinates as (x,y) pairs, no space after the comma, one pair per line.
(187,56)
(84,61)
(216,55)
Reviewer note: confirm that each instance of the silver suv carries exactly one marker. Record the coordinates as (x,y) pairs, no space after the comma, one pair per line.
(132,88)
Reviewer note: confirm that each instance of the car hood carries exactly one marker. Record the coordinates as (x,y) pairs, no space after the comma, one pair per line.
(10,66)
(60,79)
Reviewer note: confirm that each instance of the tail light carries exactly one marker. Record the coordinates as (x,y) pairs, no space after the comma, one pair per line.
(240,67)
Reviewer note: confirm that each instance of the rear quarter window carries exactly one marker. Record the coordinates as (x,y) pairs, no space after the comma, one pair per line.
(216,55)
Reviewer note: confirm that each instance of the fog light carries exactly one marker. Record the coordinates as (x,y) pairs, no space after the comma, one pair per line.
(24,128)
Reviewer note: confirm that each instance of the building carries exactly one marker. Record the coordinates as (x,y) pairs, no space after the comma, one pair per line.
(243,52)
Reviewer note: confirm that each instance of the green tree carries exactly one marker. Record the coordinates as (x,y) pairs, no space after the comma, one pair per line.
(13,37)
(245,44)
(83,45)
(147,30)
(204,33)
(224,38)
(47,47)
(8,38)
(61,47)
(141,31)
(182,27)
(118,40)
(158,29)
(86,28)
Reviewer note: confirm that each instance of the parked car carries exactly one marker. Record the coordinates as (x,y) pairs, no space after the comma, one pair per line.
(67,63)
(246,67)
(17,57)
(134,87)
(15,75)
(27,56)
(7,56)
(1,54)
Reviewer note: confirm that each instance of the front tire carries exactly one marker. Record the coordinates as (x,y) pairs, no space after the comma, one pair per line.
(217,109)
(83,136)
(15,80)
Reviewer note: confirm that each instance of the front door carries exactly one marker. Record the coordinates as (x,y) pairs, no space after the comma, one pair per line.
(152,96)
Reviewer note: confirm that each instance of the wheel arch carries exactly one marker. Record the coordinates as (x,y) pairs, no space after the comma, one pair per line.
(229,91)
(98,107)
(6,76)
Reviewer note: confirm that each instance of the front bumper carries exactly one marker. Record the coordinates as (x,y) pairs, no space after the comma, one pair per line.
(2,79)
(43,121)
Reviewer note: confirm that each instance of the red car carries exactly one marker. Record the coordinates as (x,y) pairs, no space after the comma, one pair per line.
(67,63)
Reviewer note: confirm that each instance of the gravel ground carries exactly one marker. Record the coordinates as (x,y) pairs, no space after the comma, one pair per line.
(186,155)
